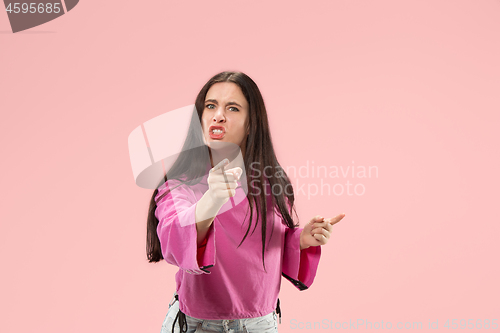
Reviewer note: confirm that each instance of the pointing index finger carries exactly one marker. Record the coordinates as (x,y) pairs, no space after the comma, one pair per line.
(336,219)
(220,165)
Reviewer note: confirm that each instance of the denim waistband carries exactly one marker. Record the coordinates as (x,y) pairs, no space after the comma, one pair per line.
(227,323)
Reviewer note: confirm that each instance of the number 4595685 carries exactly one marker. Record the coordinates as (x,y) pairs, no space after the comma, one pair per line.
(472,324)
(33,8)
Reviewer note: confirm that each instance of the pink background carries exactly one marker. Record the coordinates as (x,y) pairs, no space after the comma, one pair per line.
(411,87)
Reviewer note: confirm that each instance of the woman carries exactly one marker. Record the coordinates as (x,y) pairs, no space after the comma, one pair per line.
(223,282)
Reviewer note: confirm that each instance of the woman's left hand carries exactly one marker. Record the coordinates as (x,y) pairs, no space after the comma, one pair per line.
(318,230)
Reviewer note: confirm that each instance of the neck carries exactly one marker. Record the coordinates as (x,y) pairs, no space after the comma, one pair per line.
(218,155)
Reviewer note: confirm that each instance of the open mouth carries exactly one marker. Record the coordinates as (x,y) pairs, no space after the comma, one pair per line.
(217,132)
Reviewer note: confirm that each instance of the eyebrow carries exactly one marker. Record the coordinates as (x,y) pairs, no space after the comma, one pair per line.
(228,103)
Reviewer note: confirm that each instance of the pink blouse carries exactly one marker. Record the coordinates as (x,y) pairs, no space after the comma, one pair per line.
(233,283)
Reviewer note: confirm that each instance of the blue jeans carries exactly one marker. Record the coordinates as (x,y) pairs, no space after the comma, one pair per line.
(264,324)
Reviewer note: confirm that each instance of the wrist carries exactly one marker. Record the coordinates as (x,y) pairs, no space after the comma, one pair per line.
(213,201)
(302,245)
(207,208)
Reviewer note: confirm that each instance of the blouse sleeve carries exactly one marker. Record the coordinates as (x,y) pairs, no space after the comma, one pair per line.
(299,266)
(176,230)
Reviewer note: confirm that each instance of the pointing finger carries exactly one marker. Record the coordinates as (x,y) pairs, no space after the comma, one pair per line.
(220,165)
(336,219)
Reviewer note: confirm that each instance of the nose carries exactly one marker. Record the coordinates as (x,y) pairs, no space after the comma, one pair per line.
(219,116)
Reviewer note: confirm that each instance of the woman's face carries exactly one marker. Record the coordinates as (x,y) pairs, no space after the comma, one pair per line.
(226,112)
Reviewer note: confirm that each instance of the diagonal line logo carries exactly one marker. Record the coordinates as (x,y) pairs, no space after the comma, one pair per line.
(29,14)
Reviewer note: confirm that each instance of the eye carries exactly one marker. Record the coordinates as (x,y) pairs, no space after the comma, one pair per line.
(232,107)
(208,106)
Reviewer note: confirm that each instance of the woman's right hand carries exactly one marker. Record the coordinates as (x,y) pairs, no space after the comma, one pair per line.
(220,190)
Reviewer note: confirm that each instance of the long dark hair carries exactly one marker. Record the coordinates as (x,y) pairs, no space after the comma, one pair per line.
(259,153)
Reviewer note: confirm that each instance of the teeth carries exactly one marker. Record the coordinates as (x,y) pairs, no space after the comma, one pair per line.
(217,131)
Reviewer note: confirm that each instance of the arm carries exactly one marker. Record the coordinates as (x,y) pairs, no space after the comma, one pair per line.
(301,272)
(222,185)
(299,265)
(178,229)
(206,210)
